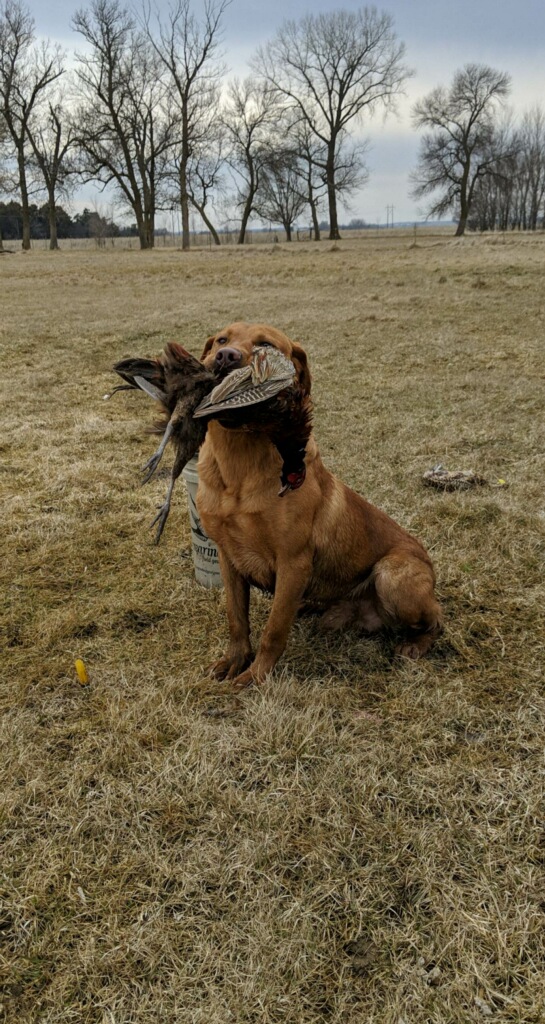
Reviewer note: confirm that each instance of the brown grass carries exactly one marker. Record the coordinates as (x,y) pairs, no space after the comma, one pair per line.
(361,840)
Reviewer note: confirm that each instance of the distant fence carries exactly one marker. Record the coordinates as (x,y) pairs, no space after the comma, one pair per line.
(204,240)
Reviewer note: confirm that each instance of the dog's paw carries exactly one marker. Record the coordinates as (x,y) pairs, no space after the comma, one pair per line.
(230,666)
(415,648)
(408,650)
(243,681)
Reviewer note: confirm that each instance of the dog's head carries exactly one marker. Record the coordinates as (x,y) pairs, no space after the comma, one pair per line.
(233,347)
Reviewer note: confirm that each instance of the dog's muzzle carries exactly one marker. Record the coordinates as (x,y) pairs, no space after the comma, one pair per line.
(227,359)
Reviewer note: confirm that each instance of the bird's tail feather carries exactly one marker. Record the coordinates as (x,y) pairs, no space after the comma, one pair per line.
(141,372)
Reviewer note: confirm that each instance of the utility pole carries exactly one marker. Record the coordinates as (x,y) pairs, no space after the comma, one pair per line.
(390,216)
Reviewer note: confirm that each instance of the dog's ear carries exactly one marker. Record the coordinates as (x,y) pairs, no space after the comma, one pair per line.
(299,358)
(209,342)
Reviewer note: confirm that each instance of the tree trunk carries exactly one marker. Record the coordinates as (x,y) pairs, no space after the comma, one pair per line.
(148,208)
(201,210)
(460,230)
(313,206)
(53,240)
(184,202)
(315,221)
(287,229)
(144,224)
(25,210)
(464,199)
(144,235)
(464,213)
(331,194)
(149,227)
(244,222)
(534,209)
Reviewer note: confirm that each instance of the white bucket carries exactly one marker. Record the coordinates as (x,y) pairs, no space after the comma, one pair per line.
(205,552)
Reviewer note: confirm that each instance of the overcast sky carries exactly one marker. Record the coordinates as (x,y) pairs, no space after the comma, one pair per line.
(440,36)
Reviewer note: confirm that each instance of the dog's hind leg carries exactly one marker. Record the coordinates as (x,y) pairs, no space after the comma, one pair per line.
(338,616)
(361,612)
(404,585)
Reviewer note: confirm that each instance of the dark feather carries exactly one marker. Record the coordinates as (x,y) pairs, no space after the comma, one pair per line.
(148,369)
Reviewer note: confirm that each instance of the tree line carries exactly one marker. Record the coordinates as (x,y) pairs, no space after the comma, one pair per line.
(92,224)
(147,110)
(87,224)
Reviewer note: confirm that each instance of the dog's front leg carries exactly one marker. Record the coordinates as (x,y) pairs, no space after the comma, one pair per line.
(291,582)
(237,594)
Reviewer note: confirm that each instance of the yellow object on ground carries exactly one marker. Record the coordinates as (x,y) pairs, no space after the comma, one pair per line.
(81,672)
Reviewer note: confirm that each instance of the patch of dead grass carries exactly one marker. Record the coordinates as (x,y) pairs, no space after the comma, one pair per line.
(360,839)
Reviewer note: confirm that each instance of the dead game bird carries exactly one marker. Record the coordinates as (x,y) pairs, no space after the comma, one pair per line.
(260,397)
(179,382)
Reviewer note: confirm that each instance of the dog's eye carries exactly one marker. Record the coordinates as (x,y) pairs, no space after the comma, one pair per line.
(266,344)
(221,341)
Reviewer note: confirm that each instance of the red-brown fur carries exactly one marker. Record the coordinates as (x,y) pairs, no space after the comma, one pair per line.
(322,544)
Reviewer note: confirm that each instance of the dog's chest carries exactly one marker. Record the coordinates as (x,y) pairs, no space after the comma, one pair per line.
(243,537)
(251,565)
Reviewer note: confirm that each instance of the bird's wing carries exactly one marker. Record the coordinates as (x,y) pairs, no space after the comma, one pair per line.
(234,382)
(267,373)
(252,394)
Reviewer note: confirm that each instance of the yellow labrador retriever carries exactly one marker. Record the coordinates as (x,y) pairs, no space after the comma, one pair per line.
(321,544)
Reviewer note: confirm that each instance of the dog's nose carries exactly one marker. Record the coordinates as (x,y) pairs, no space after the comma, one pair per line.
(227,358)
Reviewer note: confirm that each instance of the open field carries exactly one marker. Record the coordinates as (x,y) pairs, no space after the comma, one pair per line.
(362,839)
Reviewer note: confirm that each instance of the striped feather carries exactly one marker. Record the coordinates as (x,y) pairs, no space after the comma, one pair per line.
(268,373)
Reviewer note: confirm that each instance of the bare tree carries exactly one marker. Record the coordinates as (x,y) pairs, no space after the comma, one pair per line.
(532,159)
(311,167)
(457,151)
(51,138)
(351,172)
(26,71)
(513,197)
(188,50)
(124,127)
(332,68)
(205,178)
(279,198)
(250,115)
(496,197)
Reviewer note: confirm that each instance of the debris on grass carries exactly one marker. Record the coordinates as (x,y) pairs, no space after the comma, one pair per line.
(452,480)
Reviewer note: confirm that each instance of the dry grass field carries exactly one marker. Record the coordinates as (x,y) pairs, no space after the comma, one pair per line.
(361,839)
